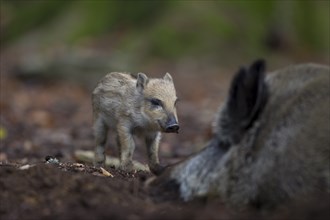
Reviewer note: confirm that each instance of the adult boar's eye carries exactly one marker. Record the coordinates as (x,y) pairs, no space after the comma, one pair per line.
(156,102)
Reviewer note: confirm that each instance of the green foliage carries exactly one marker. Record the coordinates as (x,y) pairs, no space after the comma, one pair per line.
(310,18)
(171,29)
(105,16)
(28,15)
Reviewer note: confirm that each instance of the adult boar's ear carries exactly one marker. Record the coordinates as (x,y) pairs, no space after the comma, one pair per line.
(247,98)
(168,77)
(141,82)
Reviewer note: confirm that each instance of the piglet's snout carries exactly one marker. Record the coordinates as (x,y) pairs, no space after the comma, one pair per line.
(172,125)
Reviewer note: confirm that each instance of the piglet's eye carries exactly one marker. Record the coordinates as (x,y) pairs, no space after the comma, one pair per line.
(156,102)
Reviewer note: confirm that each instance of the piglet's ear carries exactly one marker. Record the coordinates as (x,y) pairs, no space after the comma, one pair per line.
(168,77)
(141,82)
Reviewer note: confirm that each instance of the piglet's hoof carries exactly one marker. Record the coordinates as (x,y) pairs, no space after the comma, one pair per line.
(157,169)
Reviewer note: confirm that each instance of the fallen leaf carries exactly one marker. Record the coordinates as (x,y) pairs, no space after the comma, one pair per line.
(3,133)
(26,166)
(105,172)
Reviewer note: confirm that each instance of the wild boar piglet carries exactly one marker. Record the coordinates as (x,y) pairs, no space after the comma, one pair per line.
(130,105)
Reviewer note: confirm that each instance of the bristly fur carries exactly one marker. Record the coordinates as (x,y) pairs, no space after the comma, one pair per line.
(271,141)
(125,103)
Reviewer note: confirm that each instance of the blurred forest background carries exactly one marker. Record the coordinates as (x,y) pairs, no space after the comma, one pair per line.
(53,52)
(78,36)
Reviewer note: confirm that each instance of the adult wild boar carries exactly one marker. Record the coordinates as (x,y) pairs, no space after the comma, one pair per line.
(271,141)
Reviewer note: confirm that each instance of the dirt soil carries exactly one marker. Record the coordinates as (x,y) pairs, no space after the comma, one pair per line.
(48,118)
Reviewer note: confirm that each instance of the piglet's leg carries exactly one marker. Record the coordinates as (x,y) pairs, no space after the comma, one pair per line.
(152,142)
(100,133)
(127,146)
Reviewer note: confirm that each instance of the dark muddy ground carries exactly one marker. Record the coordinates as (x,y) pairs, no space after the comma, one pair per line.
(51,117)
